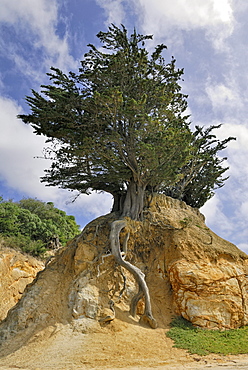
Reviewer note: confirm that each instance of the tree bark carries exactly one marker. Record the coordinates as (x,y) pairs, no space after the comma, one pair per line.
(116,228)
(134,202)
(118,202)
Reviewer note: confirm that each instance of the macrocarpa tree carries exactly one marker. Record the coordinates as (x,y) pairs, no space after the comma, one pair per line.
(120,126)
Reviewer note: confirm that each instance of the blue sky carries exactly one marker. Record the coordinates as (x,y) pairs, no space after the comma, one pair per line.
(209,39)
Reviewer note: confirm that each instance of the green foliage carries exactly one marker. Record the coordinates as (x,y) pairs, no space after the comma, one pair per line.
(203,342)
(204,171)
(31,225)
(186,222)
(120,120)
(36,248)
(53,220)
(120,124)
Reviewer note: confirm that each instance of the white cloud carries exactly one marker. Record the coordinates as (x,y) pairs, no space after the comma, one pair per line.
(236,153)
(114,10)
(240,131)
(37,21)
(91,206)
(167,18)
(244,210)
(243,247)
(186,14)
(215,217)
(37,14)
(222,96)
(18,147)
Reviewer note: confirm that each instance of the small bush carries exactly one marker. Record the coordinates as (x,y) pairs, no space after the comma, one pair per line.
(24,244)
(203,342)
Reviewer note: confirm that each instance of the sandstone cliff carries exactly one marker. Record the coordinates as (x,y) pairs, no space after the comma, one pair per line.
(16,272)
(189,271)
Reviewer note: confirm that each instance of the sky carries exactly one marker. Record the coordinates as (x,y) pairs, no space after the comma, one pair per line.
(209,39)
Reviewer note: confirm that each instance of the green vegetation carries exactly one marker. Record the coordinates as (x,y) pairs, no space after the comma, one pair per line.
(202,174)
(185,222)
(34,226)
(203,342)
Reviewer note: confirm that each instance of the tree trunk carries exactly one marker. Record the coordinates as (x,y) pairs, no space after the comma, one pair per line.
(134,201)
(116,228)
(118,202)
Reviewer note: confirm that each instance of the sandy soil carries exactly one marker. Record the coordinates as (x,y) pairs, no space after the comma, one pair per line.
(116,346)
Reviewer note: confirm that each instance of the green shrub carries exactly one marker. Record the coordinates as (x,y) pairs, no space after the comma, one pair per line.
(32,226)
(24,244)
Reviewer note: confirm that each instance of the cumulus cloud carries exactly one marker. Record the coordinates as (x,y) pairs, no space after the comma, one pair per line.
(18,147)
(215,217)
(36,22)
(240,131)
(168,17)
(114,10)
(90,206)
(222,96)
(187,15)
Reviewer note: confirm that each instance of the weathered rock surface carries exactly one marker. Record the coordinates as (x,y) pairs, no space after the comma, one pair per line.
(209,276)
(189,271)
(16,272)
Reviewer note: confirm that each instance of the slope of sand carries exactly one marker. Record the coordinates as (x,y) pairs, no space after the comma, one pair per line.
(117,346)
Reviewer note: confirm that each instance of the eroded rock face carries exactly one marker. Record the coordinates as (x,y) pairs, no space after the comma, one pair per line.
(211,294)
(189,271)
(209,276)
(16,272)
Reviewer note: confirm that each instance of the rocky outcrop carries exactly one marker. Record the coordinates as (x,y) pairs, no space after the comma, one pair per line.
(211,295)
(208,275)
(189,270)
(16,272)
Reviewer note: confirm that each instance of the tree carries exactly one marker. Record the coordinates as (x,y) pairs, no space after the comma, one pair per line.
(119,125)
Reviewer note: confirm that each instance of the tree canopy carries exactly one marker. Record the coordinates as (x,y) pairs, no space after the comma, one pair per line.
(35,226)
(120,125)
(203,173)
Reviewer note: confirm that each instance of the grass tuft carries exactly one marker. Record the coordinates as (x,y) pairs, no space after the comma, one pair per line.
(203,342)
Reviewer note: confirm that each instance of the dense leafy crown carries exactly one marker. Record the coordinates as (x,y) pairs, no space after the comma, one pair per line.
(120,121)
(35,226)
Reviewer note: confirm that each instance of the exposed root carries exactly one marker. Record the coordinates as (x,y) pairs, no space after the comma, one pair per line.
(103,256)
(135,301)
(147,319)
(124,285)
(124,247)
(116,228)
(111,317)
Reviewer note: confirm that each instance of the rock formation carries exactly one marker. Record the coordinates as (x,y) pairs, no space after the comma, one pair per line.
(189,270)
(16,272)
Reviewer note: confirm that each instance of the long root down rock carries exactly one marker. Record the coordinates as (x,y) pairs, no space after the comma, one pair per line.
(148,318)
